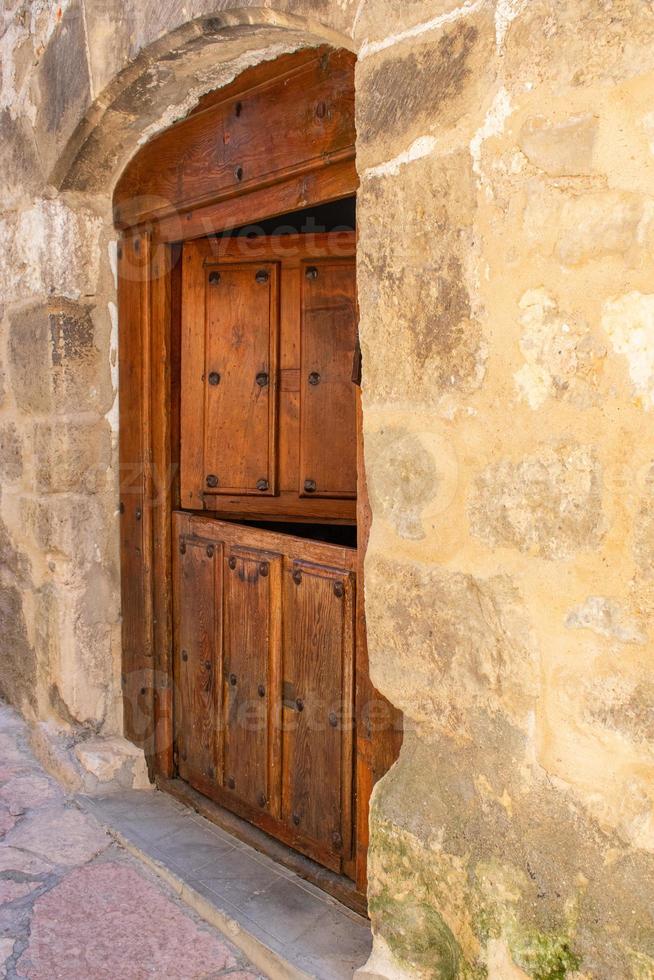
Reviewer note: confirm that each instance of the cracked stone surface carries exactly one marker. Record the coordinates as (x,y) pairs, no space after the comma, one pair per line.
(74,904)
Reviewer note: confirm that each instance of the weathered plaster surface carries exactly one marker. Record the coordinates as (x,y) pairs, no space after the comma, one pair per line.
(506,153)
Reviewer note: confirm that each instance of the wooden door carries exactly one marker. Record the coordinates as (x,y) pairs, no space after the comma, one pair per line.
(318,708)
(230,324)
(327,450)
(275,613)
(251,674)
(268,400)
(198,658)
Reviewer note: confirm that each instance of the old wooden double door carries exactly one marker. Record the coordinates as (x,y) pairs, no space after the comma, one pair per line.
(265,617)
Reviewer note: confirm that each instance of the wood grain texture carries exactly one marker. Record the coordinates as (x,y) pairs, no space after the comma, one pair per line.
(134,310)
(234,144)
(332,183)
(164,411)
(327,450)
(198,661)
(318,709)
(250,678)
(287,769)
(240,355)
(250,312)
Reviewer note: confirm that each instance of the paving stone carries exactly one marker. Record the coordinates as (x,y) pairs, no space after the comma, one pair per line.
(6,949)
(191,848)
(284,910)
(237,877)
(78,906)
(8,772)
(61,834)
(7,820)
(16,859)
(10,753)
(117,925)
(28,791)
(10,891)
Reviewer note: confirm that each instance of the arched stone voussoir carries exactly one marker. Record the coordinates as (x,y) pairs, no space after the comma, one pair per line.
(168,77)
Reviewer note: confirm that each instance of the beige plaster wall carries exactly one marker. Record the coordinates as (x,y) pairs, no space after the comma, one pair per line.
(506,153)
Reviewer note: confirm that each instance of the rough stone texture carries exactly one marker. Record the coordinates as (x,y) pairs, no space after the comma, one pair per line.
(545,505)
(506,222)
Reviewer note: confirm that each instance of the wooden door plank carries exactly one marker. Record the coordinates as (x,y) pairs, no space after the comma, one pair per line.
(318,552)
(192,394)
(164,411)
(235,144)
(197,665)
(330,182)
(252,609)
(135,489)
(328,395)
(240,371)
(289,372)
(317,655)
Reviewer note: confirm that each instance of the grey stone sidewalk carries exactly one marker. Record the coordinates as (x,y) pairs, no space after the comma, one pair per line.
(284,923)
(74,904)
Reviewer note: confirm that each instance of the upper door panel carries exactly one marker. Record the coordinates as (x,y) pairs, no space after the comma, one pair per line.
(268,400)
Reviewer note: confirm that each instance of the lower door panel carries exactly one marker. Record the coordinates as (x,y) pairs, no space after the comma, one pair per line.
(264,680)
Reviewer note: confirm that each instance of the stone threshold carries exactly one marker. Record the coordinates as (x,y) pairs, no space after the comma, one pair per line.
(287,927)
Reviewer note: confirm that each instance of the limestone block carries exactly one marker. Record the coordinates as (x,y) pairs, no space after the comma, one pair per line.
(72,527)
(407,90)
(11,453)
(61,86)
(71,456)
(417,310)
(111,764)
(607,617)
(441,642)
(55,363)
(574,43)
(402,479)
(562,357)
(623,705)
(50,248)
(373,26)
(629,322)
(548,504)
(595,225)
(18,674)
(19,162)
(560,148)
(464,831)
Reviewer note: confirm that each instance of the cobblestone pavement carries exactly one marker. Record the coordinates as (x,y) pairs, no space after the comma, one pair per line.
(74,904)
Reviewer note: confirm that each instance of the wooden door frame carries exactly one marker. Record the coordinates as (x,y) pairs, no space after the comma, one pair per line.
(149,253)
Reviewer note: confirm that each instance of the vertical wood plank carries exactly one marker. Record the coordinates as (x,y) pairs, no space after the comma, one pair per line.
(242,327)
(289,376)
(135,488)
(327,410)
(166,312)
(192,349)
(198,588)
(251,601)
(318,649)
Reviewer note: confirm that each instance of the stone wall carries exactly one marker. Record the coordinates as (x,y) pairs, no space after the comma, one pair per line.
(506,215)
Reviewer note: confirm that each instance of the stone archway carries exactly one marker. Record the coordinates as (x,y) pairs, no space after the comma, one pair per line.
(510,582)
(62,351)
